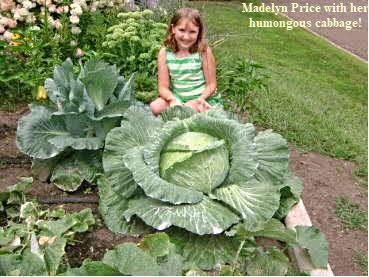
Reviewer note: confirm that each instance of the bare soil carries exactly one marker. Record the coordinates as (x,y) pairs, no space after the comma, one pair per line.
(325,179)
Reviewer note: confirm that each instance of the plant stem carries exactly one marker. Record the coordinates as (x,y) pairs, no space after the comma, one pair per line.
(237,255)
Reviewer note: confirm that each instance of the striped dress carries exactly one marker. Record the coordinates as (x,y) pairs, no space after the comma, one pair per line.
(187,77)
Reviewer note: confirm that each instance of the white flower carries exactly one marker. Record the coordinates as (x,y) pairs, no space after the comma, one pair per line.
(35,28)
(66,9)
(76,30)
(73,43)
(23,12)
(3,21)
(52,8)
(74,19)
(57,24)
(31,19)
(76,9)
(50,20)
(28,4)
(17,16)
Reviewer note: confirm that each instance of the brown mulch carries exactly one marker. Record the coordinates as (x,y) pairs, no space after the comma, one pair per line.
(324,178)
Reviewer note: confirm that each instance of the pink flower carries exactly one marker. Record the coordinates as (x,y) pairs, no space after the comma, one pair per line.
(2,29)
(59,10)
(8,35)
(6,5)
(12,23)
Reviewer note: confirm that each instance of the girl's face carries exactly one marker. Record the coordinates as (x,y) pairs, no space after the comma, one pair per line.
(185,34)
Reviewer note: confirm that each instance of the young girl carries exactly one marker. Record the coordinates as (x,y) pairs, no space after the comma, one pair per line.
(186,67)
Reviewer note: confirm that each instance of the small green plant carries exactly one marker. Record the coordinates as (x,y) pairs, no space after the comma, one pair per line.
(351,215)
(361,260)
(146,87)
(237,81)
(33,241)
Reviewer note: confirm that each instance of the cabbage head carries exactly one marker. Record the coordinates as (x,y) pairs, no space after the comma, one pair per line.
(203,172)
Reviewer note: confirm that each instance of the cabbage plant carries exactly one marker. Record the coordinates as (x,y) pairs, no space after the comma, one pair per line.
(67,136)
(203,172)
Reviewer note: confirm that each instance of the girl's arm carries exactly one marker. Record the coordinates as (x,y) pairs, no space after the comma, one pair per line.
(163,78)
(209,68)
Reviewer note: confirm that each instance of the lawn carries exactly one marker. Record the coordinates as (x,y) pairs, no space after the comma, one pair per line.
(317,96)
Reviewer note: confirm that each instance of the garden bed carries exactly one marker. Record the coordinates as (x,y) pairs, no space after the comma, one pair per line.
(324,179)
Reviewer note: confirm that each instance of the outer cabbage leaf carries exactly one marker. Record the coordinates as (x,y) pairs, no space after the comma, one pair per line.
(92,268)
(314,241)
(177,113)
(112,205)
(291,190)
(208,251)
(121,140)
(273,229)
(100,80)
(205,217)
(69,173)
(131,260)
(36,129)
(270,263)
(272,156)
(59,88)
(256,202)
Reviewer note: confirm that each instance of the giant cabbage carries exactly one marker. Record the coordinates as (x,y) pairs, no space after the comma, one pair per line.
(202,172)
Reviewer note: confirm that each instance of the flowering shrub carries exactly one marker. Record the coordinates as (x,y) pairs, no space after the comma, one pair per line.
(33,12)
(133,45)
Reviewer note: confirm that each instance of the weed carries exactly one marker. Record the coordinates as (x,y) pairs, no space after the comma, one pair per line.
(361,260)
(351,215)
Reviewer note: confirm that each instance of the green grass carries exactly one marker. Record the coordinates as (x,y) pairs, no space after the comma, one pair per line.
(361,260)
(350,214)
(317,97)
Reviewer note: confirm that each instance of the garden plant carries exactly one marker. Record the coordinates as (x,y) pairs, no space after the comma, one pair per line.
(200,189)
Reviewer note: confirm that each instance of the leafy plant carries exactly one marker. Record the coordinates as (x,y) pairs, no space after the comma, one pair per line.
(206,174)
(201,172)
(133,44)
(154,255)
(67,137)
(146,88)
(34,240)
(238,80)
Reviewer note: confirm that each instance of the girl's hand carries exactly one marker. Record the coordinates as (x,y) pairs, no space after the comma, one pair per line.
(199,105)
(175,102)
(202,105)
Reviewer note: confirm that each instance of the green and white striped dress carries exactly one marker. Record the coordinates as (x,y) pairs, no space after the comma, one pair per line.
(187,77)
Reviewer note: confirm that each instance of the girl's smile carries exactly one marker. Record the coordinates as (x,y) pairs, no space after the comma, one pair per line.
(185,33)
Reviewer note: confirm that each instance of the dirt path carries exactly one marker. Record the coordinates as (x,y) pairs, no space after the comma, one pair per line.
(324,178)
(355,40)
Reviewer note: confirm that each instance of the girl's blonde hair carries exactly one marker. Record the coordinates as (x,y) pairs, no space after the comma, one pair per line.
(193,16)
